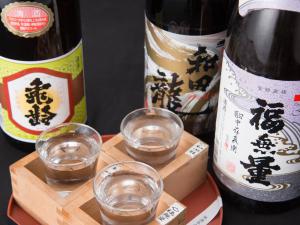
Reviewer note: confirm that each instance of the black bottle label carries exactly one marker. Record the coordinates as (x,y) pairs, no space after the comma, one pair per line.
(182,75)
(27,19)
(257,142)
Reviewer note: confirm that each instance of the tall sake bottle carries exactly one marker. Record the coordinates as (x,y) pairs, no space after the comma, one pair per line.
(257,144)
(183,52)
(41,68)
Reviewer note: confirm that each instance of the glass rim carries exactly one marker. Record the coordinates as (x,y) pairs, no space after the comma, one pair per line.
(176,118)
(155,197)
(61,125)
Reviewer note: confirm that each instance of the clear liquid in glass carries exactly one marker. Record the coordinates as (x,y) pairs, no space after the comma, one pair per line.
(152,139)
(69,160)
(127,199)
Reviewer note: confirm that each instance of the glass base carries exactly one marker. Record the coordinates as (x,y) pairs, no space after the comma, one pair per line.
(108,221)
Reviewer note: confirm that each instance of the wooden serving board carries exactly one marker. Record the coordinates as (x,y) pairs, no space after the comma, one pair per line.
(196,202)
(182,177)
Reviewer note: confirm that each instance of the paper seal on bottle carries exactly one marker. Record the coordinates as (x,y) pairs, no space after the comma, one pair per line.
(27,19)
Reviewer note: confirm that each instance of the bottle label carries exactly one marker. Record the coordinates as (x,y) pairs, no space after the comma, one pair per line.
(182,74)
(27,19)
(246,6)
(37,95)
(257,143)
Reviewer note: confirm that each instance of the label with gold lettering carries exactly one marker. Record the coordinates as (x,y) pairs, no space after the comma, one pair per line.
(37,95)
(182,74)
(27,19)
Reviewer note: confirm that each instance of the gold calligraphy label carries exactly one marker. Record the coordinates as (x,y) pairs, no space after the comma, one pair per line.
(182,74)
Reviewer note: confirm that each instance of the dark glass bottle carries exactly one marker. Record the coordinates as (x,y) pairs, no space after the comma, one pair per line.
(42,41)
(257,135)
(183,46)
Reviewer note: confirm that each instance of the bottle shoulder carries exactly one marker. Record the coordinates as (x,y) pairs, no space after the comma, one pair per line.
(63,34)
(196,17)
(265,43)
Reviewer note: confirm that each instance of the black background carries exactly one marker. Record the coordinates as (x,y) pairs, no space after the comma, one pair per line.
(113,33)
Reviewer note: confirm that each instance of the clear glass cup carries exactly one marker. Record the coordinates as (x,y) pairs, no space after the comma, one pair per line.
(128,193)
(69,152)
(152,135)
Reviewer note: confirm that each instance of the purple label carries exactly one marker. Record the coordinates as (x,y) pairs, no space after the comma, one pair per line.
(258,135)
(276,91)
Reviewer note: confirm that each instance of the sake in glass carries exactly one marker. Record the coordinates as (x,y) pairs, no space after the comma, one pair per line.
(152,135)
(128,193)
(69,152)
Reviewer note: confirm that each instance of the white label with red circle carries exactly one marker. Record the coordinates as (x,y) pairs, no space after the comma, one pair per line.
(27,19)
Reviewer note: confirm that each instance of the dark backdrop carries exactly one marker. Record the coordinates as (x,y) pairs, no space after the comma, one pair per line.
(113,32)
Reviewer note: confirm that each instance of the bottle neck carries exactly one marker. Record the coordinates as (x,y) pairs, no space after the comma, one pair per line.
(53,39)
(190,17)
(258,43)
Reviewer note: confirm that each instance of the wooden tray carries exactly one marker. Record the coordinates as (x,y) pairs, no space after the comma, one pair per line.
(196,202)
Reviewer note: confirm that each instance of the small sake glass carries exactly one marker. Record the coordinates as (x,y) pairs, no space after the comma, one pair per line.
(69,152)
(152,135)
(128,193)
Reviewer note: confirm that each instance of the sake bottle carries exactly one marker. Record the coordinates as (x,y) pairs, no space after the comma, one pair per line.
(183,53)
(41,68)
(257,144)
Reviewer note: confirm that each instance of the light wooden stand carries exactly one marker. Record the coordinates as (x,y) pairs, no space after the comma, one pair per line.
(181,176)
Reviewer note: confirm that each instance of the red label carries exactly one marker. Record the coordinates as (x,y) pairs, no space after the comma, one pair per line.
(27,19)
(297,98)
